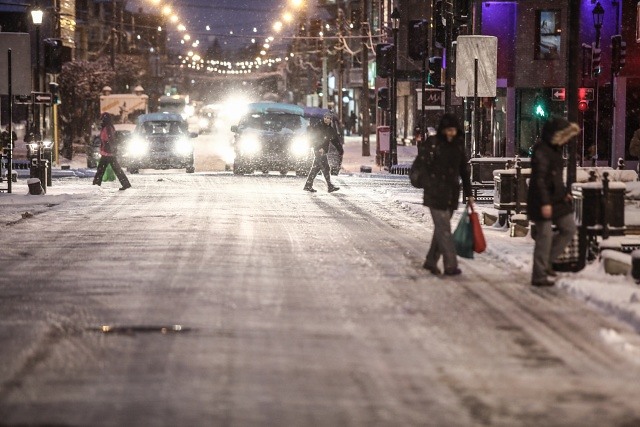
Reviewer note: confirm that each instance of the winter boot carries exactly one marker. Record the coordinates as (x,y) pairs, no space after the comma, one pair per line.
(332,188)
(546,283)
(310,189)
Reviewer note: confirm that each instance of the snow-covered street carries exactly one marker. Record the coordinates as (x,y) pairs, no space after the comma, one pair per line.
(294,309)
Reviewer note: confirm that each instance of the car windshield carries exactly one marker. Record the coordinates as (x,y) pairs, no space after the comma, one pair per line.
(272,122)
(162,128)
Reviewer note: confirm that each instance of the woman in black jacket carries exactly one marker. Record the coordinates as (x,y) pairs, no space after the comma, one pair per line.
(446,166)
(548,200)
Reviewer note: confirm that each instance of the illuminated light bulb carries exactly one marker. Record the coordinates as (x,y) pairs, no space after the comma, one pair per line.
(166,10)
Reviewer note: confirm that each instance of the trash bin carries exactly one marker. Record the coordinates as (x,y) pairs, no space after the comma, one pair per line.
(507,188)
(590,206)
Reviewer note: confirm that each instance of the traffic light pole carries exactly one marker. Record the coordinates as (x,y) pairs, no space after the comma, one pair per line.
(573,59)
(393,142)
(364,97)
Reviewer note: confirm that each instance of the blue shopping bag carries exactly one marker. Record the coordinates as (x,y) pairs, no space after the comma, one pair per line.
(463,236)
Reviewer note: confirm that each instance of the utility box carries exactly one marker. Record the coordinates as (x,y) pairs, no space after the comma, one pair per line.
(384,138)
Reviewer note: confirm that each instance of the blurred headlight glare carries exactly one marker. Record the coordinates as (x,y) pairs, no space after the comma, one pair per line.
(249,145)
(183,147)
(300,147)
(137,147)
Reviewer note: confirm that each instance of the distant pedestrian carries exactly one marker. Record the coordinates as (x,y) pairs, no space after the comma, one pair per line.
(108,151)
(549,201)
(7,138)
(446,165)
(353,122)
(321,135)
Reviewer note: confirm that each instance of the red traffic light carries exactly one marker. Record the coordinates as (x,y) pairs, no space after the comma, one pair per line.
(583,106)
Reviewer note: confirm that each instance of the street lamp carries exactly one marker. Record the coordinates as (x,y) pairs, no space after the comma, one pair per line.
(393,143)
(598,15)
(36,18)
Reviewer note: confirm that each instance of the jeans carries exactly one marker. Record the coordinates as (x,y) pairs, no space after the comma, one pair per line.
(115,165)
(549,245)
(320,163)
(442,243)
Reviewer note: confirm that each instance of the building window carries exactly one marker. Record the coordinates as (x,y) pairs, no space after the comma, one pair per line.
(548,34)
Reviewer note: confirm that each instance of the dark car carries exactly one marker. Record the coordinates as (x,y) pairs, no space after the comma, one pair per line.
(315,115)
(123,131)
(160,141)
(272,137)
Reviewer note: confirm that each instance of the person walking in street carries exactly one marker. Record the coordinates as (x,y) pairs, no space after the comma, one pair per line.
(548,201)
(321,136)
(446,164)
(108,150)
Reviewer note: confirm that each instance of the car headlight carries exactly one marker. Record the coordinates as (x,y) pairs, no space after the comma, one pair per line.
(300,147)
(183,147)
(249,144)
(137,147)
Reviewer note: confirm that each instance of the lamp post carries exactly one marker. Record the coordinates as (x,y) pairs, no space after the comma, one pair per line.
(36,18)
(598,15)
(393,143)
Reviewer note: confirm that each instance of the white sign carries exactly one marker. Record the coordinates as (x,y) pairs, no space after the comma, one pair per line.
(21,74)
(485,50)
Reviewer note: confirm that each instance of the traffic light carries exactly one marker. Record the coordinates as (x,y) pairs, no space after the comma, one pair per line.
(55,93)
(435,71)
(384,59)
(52,55)
(596,59)
(540,110)
(439,24)
(383,98)
(618,54)
(418,38)
(583,105)
(315,30)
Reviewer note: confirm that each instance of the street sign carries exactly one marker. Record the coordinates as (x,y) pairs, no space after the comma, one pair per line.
(41,97)
(433,99)
(20,45)
(484,49)
(22,99)
(559,94)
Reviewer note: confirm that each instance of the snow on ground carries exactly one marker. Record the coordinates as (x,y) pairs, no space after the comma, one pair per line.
(615,295)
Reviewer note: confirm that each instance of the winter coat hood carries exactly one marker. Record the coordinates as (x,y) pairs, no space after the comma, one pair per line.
(558,131)
(450,121)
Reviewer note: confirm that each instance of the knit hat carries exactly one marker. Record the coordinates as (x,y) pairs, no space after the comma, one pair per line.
(450,121)
(558,131)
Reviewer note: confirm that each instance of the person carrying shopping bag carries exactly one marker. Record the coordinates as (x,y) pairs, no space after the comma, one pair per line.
(445,165)
(108,149)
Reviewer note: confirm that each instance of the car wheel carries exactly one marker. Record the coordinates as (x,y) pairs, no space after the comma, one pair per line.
(133,171)
(284,171)
(265,171)
(191,169)
(301,173)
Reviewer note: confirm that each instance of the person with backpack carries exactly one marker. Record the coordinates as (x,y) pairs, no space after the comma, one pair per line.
(444,165)
(108,150)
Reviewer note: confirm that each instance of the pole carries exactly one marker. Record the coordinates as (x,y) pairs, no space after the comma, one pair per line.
(423,115)
(596,100)
(476,110)
(113,34)
(325,83)
(56,135)
(10,148)
(393,143)
(573,59)
(448,44)
(36,107)
(364,96)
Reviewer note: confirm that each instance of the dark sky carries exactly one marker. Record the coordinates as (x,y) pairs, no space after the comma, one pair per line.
(223,16)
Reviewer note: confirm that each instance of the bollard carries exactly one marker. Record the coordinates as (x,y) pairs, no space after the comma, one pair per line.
(620,163)
(635,265)
(518,178)
(35,188)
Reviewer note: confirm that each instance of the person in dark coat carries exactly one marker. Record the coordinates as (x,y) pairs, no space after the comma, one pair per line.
(321,136)
(446,166)
(548,200)
(108,149)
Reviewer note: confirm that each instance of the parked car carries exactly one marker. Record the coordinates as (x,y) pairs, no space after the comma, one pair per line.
(159,141)
(316,115)
(123,131)
(272,137)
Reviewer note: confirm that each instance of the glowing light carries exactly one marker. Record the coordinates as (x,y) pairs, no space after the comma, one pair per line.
(277,27)
(156,2)
(287,17)
(187,37)
(174,18)
(166,10)
(263,52)
(266,45)
(208,28)
(297,3)
(181,27)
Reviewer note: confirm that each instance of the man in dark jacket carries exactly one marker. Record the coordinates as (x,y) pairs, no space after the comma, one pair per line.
(549,201)
(446,165)
(321,136)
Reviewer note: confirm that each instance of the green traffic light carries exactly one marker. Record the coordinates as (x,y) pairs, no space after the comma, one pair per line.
(539,111)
